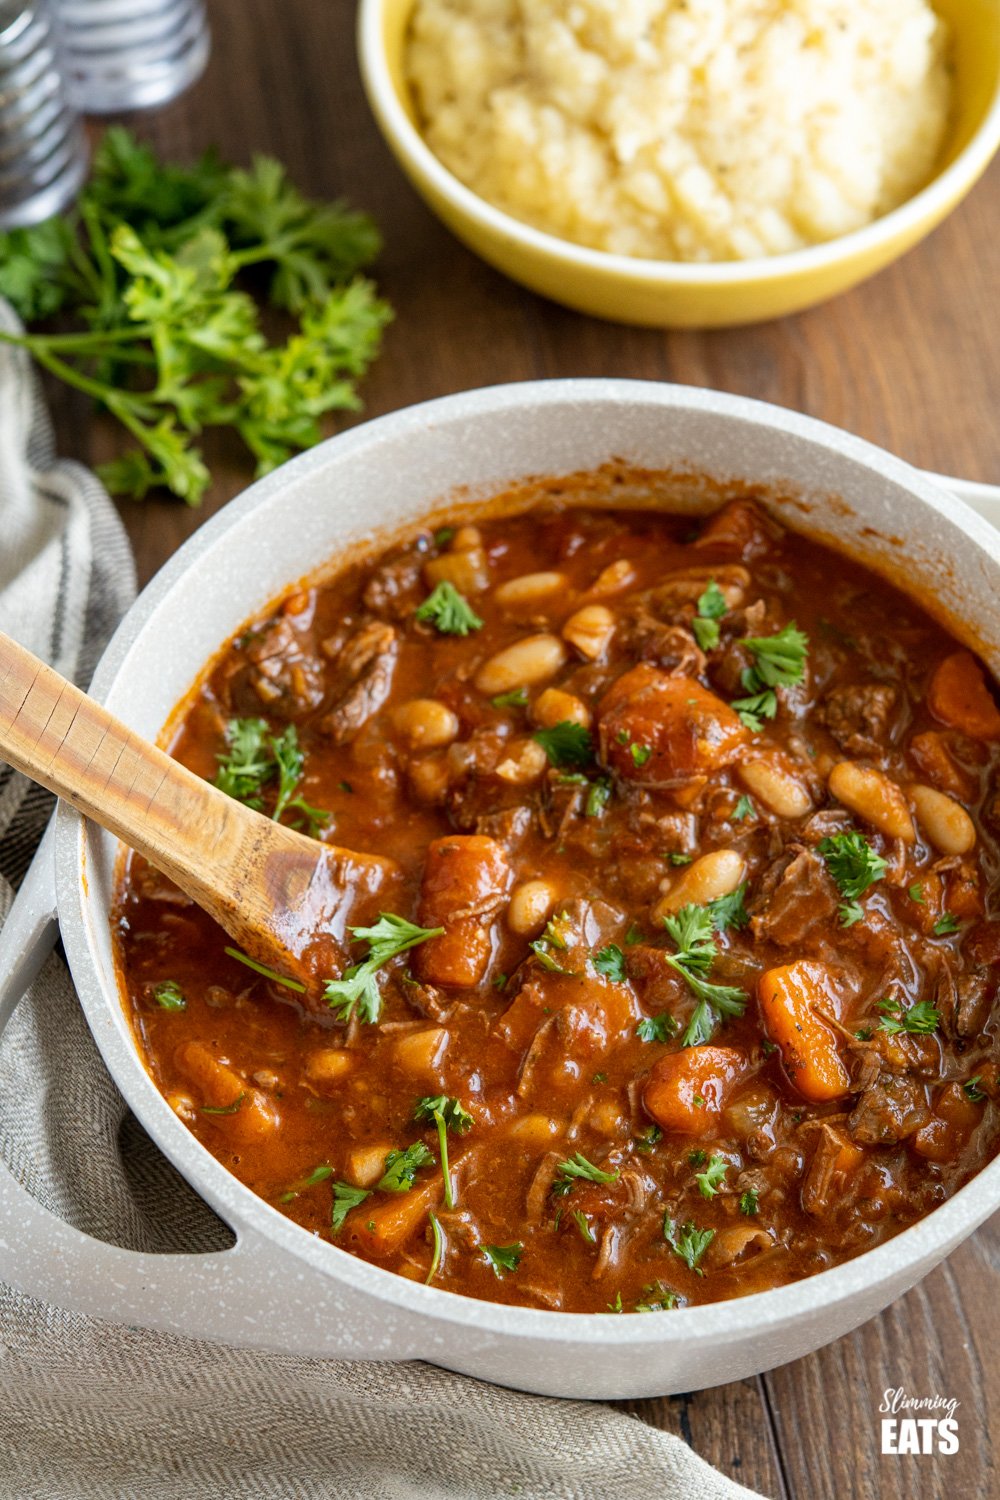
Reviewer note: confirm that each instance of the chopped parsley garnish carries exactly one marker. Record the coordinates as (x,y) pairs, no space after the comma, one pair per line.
(714,1174)
(318,1174)
(688,1242)
(729,911)
(677,858)
(919,1020)
(566,743)
(345,1197)
(916,893)
(542,947)
(503,1258)
(578,1169)
(597,798)
(854,866)
(438,1248)
(255,757)
(616,1305)
(448,611)
(516,698)
(749,1202)
(697,1158)
(971,1089)
(656,1028)
(357,988)
(711,608)
(169,995)
(778,661)
(610,962)
(647,1139)
(692,930)
(656,1298)
(272,974)
(633,936)
(744,809)
(640,754)
(583,1224)
(401,1168)
(945,924)
(447,1114)
(443,535)
(224,1109)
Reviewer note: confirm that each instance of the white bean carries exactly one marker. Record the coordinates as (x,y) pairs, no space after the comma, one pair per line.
(615,576)
(530,905)
(874,798)
(425,723)
(713,875)
(533,659)
(945,821)
(525,763)
(421,1052)
(590,629)
(329,1064)
(777,788)
(429,778)
(554,706)
(528,589)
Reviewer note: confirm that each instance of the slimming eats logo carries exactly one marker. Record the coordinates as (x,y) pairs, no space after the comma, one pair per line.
(918,1424)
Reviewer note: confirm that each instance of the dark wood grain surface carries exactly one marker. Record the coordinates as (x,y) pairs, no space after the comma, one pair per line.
(911,360)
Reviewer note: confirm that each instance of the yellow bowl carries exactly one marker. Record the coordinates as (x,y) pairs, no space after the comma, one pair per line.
(672,294)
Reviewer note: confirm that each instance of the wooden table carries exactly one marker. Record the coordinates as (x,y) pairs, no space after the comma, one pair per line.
(911,361)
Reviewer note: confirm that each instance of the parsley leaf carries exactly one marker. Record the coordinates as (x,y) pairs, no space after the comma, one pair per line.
(744,809)
(357,988)
(345,1197)
(854,866)
(711,608)
(687,1242)
(448,611)
(945,924)
(542,947)
(566,743)
(610,962)
(749,1202)
(714,1174)
(730,911)
(517,698)
(401,1168)
(578,1168)
(692,929)
(656,1028)
(583,1224)
(755,709)
(971,1089)
(919,1020)
(317,1175)
(447,1114)
(503,1258)
(916,893)
(780,659)
(656,1298)
(597,798)
(254,758)
(169,995)
(640,754)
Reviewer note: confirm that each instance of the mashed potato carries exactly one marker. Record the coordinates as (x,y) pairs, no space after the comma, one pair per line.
(684,129)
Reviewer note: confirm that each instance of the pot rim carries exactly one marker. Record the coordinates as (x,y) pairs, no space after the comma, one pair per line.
(910,1252)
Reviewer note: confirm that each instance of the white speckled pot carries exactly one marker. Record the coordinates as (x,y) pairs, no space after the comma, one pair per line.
(280,1287)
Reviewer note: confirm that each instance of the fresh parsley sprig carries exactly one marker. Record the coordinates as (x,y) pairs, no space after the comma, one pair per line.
(566,743)
(578,1169)
(713,1176)
(687,1241)
(692,929)
(163,337)
(447,1114)
(711,607)
(503,1258)
(855,866)
(448,611)
(254,757)
(358,988)
(779,660)
(922,1019)
(401,1168)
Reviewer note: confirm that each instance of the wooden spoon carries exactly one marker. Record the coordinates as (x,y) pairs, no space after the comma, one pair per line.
(285,899)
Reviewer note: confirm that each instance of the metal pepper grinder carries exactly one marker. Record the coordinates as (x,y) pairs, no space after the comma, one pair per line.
(43,151)
(131,54)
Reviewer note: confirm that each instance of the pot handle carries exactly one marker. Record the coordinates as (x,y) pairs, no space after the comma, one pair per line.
(251,1295)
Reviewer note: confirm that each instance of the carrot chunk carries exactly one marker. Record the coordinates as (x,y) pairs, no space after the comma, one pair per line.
(788,998)
(687,1091)
(656,728)
(960,697)
(245,1113)
(383,1230)
(465,877)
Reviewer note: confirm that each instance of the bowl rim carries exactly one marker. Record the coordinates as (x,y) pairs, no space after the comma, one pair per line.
(931,203)
(907,1254)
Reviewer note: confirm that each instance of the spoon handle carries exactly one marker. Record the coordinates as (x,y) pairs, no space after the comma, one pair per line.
(69,743)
